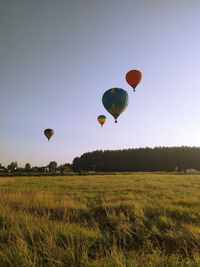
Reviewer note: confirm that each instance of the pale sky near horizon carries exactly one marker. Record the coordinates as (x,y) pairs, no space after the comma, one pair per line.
(57,58)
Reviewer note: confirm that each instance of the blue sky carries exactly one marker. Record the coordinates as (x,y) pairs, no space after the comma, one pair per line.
(59,57)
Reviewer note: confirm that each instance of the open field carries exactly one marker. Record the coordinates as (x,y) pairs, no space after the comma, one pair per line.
(140,219)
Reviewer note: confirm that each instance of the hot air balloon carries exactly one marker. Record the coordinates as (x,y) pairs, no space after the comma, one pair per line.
(133,78)
(101,119)
(115,101)
(48,133)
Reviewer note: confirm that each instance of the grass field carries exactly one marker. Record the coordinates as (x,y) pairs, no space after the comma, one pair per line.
(140,219)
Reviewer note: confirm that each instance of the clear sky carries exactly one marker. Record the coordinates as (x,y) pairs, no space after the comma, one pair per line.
(57,58)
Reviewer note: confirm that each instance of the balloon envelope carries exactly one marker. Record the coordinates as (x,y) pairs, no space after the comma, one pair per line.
(115,101)
(48,133)
(101,119)
(133,78)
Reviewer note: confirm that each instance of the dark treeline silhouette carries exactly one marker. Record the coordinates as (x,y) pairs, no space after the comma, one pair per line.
(128,160)
(139,159)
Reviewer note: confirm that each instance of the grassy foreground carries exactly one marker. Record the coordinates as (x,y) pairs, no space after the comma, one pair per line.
(120,220)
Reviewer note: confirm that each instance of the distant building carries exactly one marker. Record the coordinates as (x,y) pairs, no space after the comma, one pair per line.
(2,169)
(191,170)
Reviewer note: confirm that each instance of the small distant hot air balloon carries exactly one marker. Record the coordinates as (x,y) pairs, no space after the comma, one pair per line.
(48,133)
(101,119)
(133,78)
(115,101)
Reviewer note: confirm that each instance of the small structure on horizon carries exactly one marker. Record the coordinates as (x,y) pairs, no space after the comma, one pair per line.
(191,170)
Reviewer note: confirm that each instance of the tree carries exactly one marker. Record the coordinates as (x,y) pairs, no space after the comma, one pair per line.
(27,167)
(64,168)
(12,166)
(34,169)
(76,164)
(52,166)
(2,167)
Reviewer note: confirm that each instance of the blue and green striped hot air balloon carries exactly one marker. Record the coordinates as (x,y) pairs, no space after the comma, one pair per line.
(115,101)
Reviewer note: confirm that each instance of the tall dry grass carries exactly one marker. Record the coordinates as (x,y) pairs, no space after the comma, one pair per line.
(140,219)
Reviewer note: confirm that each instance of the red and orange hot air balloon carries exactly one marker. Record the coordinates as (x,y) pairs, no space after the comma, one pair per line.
(133,78)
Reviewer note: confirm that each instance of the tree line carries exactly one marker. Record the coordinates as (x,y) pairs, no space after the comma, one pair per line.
(52,167)
(139,159)
(126,160)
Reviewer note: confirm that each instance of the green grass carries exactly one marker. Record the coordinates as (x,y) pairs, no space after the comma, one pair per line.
(140,219)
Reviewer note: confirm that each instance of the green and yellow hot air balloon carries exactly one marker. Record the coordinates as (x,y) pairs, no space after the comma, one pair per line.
(115,101)
(101,119)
